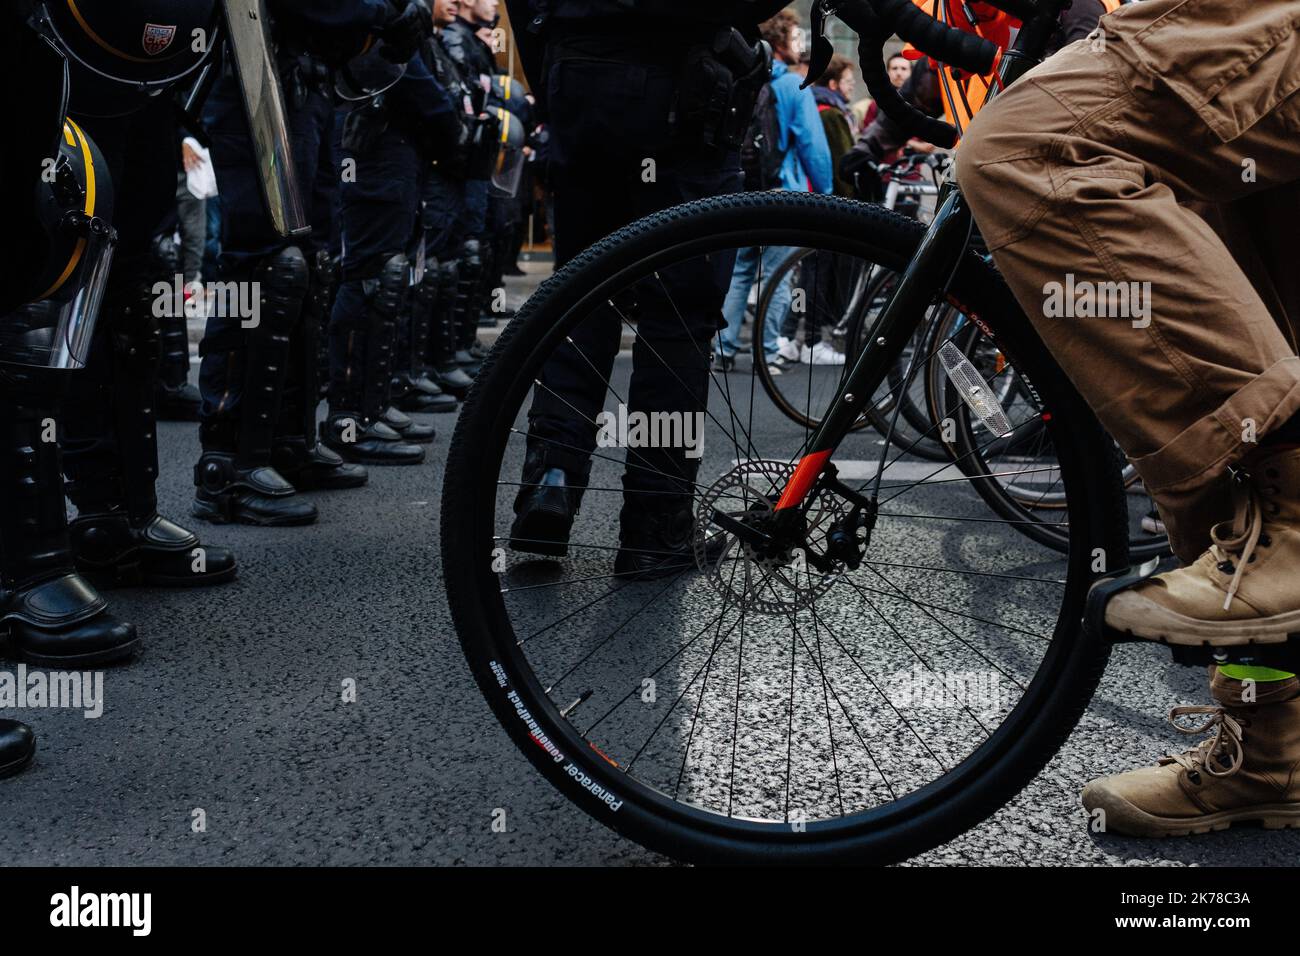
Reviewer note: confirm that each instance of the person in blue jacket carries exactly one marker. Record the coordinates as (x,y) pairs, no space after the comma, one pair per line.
(805,167)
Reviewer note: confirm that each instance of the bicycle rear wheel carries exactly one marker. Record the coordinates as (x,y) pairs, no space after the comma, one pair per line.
(744,707)
(1018,477)
(827,320)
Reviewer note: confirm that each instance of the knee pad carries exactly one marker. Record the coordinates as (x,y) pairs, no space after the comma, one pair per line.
(283,279)
(471,258)
(386,293)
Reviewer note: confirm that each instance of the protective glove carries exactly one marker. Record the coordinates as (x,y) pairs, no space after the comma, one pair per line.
(405,31)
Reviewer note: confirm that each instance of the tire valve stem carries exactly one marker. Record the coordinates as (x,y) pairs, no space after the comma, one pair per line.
(582,698)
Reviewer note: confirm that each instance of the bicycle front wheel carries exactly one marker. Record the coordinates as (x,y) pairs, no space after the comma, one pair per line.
(708,700)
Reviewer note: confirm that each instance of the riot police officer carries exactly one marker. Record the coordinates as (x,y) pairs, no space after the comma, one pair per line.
(55,192)
(109,423)
(440,302)
(258,373)
(50,614)
(464,42)
(622,83)
(388,139)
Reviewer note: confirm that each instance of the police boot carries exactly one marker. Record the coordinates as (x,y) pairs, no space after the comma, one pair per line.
(235,481)
(49,614)
(468,302)
(407,427)
(114,551)
(17,747)
(657,526)
(228,492)
(373,443)
(657,541)
(111,457)
(451,378)
(296,454)
(549,496)
(413,389)
(1249,770)
(363,325)
(312,466)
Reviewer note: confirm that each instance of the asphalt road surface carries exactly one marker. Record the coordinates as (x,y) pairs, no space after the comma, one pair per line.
(236,708)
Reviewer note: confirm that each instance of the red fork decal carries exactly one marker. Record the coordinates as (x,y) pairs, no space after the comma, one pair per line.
(805,476)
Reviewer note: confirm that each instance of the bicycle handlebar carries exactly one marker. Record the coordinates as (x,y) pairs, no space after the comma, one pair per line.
(875,21)
(965,51)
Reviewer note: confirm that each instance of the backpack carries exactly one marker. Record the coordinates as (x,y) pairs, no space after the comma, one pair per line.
(760,152)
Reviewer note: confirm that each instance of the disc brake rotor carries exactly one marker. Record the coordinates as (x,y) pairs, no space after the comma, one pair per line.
(776,580)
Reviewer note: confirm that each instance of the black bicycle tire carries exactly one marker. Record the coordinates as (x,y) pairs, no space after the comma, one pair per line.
(920,445)
(760,360)
(997,496)
(994,772)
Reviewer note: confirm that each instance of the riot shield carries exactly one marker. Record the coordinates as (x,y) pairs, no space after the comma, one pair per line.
(509,166)
(55,332)
(249,45)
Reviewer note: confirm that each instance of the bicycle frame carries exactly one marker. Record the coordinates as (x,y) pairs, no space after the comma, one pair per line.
(930,269)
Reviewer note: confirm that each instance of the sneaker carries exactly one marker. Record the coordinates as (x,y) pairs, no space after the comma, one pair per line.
(775,368)
(823,353)
(1243,588)
(787,349)
(723,363)
(1246,771)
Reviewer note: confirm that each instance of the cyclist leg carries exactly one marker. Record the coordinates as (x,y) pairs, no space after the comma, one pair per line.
(1078,177)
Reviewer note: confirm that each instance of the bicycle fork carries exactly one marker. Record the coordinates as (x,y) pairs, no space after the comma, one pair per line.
(930,269)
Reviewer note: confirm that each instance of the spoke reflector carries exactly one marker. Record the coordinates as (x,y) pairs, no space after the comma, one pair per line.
(973,390)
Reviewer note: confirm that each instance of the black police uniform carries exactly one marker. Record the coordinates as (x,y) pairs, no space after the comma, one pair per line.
(390,139)
(609,75)
(110,444)
(431,338)
(477,65)
(260,384)
(49,609)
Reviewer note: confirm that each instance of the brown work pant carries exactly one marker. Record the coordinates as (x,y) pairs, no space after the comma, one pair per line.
(1164,149)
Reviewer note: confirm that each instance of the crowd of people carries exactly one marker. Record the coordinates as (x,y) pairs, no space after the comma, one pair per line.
(410,145)
(413,149)
(358,265)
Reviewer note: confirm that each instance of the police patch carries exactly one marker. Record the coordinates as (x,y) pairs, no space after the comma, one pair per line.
(157,38)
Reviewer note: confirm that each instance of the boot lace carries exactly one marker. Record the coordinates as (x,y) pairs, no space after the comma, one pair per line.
(1226,741)
(1240,538)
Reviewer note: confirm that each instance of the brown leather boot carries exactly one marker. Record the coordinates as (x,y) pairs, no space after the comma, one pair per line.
(1243,589)
(1249,769)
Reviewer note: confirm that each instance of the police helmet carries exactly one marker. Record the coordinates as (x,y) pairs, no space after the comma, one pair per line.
(72,217)
(122,51)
